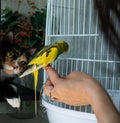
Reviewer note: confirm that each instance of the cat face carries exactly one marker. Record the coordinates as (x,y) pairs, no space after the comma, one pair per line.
(14,58)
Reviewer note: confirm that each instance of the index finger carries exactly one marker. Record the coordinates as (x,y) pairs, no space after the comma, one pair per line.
(52,74)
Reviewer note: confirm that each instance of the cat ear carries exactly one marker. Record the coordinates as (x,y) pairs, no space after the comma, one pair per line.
(30,52)
(8,37)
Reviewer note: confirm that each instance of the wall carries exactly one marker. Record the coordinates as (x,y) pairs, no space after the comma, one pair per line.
(24,7)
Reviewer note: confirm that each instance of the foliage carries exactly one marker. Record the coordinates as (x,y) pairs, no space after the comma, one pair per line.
(28,31)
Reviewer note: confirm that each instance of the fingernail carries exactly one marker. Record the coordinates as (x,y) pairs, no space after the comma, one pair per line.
(53,98)
(48,67)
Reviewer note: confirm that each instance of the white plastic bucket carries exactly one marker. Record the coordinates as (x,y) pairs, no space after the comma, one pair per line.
(60,115)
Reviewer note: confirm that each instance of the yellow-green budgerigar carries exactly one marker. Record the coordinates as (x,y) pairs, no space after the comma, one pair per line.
(46,56)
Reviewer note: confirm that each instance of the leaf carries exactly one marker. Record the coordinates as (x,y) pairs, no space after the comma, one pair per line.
(32,43)
(9,20)
(38,20)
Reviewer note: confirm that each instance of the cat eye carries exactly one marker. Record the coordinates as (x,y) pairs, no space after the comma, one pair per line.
(10,54)
(23,63)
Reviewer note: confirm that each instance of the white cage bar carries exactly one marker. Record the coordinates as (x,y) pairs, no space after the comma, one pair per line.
(75,22)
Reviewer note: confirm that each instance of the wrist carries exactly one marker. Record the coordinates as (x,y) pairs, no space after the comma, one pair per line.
(103,106)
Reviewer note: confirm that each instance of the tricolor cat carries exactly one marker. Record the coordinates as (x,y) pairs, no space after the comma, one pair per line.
(13,61)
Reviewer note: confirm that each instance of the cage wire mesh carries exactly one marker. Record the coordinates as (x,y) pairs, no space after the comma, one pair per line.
(75,22)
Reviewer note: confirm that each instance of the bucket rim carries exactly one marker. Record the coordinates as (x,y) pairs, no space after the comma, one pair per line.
(69,112)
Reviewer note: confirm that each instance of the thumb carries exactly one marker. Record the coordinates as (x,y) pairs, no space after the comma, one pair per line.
(52,74)
(48,88)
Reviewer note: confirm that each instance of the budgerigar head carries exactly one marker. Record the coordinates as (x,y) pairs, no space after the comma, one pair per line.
(62,46)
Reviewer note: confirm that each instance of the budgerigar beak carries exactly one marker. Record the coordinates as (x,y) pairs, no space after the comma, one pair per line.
(30,70)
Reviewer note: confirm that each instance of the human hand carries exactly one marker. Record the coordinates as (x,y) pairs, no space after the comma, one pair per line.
(79,88)
(74,89)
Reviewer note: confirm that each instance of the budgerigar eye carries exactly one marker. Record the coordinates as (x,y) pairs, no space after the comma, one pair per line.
(10,54)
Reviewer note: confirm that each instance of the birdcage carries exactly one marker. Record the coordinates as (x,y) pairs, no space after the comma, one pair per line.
(76,22)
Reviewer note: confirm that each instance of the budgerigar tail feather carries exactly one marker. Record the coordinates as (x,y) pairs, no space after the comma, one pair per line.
(35,73)
(30,70)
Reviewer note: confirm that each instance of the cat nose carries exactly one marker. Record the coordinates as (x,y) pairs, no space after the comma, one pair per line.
(15,67)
